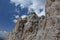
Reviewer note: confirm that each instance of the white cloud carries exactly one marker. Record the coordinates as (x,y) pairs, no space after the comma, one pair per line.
(42,13)
(23,16)
(15,20)
(18,11)
(16,16)
(34,5)
(24,3)
(3,33)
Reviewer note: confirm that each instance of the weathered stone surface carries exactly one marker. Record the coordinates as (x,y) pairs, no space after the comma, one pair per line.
(53,20)
(39,28)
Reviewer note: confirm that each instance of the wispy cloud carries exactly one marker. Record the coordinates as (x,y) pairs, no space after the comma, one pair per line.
(18,11)
(32,5)
(23,16)
(3,34)
(16,16)
(15,20)
(37,6)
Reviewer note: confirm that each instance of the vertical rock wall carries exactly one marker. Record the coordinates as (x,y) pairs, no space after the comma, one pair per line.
(53,19)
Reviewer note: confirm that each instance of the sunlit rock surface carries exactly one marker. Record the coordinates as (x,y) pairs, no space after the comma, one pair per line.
(39,28)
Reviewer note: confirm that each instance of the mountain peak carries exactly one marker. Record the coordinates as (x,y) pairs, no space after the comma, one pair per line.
(39,28)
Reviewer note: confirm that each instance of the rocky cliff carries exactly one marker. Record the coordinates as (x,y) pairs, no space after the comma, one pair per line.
(39,28)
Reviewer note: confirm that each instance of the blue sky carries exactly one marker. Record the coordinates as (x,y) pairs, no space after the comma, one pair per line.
(7,12)
(11,10)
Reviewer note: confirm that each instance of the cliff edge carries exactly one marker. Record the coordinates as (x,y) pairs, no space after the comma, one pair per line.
(39,28)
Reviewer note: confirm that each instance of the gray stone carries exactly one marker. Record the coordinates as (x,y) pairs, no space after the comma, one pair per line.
(39,28)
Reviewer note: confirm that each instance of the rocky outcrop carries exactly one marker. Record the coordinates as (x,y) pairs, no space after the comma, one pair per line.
(39,28)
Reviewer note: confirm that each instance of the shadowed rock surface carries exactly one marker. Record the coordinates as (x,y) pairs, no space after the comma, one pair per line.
(39,28)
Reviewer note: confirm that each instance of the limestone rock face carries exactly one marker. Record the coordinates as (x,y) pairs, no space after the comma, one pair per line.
(53,20)
(39,28)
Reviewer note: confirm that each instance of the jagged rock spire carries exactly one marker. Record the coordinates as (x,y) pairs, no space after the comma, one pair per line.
(33,15)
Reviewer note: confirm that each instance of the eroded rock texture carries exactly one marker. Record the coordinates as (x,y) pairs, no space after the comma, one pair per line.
(39,28)
(53,20)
